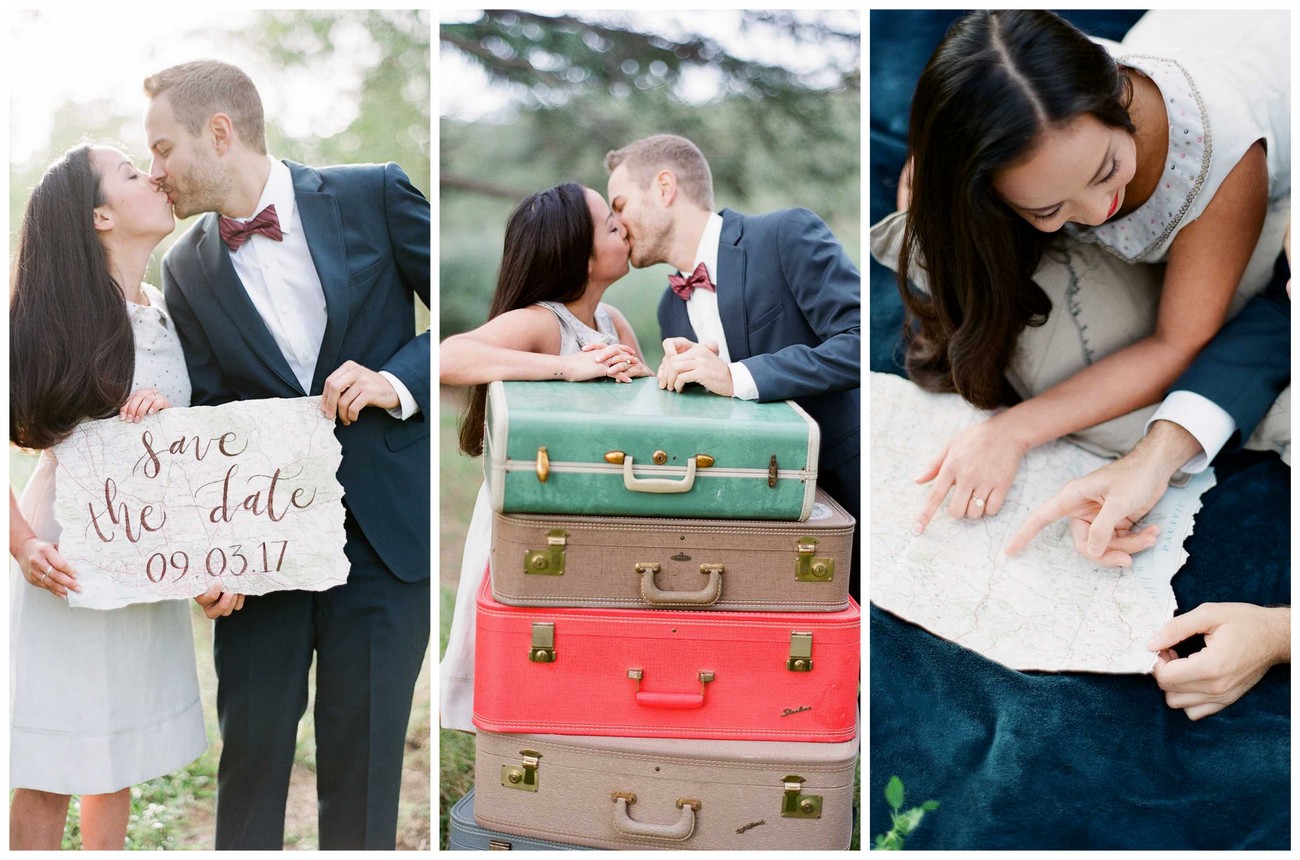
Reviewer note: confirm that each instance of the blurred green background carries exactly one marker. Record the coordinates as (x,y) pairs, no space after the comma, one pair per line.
(530,100)
(338,87)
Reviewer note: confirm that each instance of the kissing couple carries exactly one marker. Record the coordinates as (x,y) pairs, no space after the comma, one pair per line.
(297,281)
(764,307)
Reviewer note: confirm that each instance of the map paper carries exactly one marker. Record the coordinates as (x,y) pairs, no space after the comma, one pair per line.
(244,494)
(1047,608)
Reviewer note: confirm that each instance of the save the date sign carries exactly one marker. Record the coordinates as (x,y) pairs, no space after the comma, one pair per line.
(244,494)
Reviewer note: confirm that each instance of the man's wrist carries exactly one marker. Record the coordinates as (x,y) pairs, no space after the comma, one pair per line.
(1279,627)
(1168,446)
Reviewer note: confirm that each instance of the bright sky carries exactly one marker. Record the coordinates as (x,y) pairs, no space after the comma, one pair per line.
(467,95)
(106,53)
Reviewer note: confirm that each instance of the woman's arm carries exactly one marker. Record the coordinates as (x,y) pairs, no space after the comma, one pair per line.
(1206,262)
(40,561)
(522,344)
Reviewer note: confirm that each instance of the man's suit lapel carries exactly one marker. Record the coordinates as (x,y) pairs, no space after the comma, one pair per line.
(230,293)
(731,286)
(319,215)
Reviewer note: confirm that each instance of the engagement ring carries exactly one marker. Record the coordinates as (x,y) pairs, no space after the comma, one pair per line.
(979,503)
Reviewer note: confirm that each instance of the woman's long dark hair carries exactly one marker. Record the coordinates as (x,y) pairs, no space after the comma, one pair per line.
(548,244)
(994,84)
(71,351)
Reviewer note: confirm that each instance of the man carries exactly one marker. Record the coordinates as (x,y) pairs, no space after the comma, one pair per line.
(1215,404)
(299,282)
(771,309)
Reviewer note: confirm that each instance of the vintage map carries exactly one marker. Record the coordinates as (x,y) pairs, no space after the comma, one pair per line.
(1047,608)
(243,494)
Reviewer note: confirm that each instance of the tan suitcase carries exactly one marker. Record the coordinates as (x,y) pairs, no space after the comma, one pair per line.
(646,562)
(666,794)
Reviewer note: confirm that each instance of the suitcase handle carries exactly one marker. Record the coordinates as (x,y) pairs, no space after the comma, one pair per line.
(705,596)
(658,485)
(671,701)
(679,830)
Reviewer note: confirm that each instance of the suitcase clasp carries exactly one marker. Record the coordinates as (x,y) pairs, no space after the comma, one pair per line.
(771,473)
(800,653)
(543,647)
(811,568)
(797,804)
(543,464)
(522,777)
(499,845)
(549,561)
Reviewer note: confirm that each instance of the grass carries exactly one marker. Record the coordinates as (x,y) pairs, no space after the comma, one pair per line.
(178,810)
(459,482)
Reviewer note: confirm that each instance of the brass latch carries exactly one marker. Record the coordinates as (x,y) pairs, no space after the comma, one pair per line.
(615,457)
(797,804)
(771,473)
(499,845)
(549,561)
(811,568)
(543,464)
(800,653)
(543,647)
(522,777)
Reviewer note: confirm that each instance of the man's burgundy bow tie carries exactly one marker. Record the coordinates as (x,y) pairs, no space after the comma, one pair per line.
(236,233)
(699,278)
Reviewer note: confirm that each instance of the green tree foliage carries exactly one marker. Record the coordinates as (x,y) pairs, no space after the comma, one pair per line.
(389,105)
(775,137)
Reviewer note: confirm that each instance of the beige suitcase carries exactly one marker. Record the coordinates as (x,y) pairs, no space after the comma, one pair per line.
(650,793)
(647,562)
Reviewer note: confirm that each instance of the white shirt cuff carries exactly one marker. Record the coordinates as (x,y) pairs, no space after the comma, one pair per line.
(1203,418)
(742,382)
(406,406)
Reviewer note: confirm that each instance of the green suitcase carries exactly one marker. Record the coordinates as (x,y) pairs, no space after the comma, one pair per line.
(630,449)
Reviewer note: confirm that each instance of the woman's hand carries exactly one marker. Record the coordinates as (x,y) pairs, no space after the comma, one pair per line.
(598,360)
(43,566)
(905,186)
(144,402)
(978,465)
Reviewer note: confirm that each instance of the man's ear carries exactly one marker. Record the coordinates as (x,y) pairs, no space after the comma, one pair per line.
(665,183)
(222,132)
(102,219)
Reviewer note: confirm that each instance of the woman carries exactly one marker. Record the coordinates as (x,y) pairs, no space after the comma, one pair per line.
(1022,126)
(100,700)
(563,248)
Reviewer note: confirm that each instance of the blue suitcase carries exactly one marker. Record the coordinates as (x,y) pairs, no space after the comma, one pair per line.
(467,835)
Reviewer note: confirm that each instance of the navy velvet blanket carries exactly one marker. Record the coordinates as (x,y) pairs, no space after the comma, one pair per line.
(1023,760)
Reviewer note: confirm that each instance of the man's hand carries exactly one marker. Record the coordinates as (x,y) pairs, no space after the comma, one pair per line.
(1242,642)
(1103,506)
(352,388)
(685,362)
(216,604)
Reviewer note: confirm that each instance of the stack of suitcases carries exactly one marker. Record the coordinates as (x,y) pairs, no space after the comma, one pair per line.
(667,653)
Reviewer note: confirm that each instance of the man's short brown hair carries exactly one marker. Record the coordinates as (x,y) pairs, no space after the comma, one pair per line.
(201,88)
(646,157)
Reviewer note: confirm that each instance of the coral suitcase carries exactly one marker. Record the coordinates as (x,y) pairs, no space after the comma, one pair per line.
(630,449)
(646,793)
(770,676)
(648,563)
(467,835)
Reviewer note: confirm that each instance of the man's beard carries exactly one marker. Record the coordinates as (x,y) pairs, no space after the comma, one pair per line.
(653,245)
(206,190)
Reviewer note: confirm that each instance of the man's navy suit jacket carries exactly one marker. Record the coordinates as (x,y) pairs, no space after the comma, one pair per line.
(367,229)
(790,302)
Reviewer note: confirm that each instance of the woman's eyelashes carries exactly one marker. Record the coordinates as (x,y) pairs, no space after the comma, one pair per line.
(1114,169)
